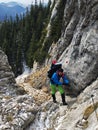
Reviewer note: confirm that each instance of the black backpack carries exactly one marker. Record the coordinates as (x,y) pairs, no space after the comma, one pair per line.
(53,69)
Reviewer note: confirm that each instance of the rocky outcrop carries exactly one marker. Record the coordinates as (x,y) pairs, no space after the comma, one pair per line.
(83,63)
(78,47)
(17,109)
(16,113)
(6,76)
(7,79)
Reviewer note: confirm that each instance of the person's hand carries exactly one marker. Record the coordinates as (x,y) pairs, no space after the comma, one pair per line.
(66,84)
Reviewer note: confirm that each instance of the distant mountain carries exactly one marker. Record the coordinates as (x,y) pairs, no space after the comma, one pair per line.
(10,9)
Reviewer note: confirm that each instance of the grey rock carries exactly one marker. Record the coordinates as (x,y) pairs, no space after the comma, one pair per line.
(17,109)
(83,65)
(77,47)
(72,117)
(7,80)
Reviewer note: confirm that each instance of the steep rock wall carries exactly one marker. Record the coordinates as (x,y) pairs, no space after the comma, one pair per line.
(78,45)
(7,81)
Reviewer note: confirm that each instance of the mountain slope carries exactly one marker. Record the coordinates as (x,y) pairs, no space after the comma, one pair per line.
(77,49)
(80,114)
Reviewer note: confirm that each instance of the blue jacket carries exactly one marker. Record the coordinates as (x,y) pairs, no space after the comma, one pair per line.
(56,79)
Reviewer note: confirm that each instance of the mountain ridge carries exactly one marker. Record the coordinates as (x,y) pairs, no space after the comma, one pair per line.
(10,9)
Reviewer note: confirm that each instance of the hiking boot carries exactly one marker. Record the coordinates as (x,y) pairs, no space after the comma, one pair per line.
(55,101)
(54,98)
(64,103)
(63,99)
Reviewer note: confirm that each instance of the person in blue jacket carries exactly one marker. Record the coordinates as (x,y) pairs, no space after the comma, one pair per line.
(55,83)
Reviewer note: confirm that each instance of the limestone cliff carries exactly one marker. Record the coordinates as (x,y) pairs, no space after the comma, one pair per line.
(77,48)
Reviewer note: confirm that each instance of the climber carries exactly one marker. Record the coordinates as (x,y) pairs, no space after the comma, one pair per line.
(55,83)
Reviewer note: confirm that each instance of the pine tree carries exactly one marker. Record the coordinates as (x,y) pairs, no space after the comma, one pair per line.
(25,35)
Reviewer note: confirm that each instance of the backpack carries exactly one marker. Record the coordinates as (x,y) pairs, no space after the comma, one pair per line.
(53,69)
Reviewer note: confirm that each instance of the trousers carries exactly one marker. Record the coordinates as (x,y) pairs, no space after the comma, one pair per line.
(54,88)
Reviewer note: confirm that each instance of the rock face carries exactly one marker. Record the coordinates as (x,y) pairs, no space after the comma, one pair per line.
(6,76)
(78,44)
(83,62)
(17,109)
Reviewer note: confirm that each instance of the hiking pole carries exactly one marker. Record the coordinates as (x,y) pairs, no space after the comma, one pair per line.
(94,106)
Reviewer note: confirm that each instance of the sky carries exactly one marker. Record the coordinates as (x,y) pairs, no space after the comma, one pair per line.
(25,2)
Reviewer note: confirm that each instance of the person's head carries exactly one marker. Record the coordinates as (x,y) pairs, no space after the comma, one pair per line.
(60,72)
